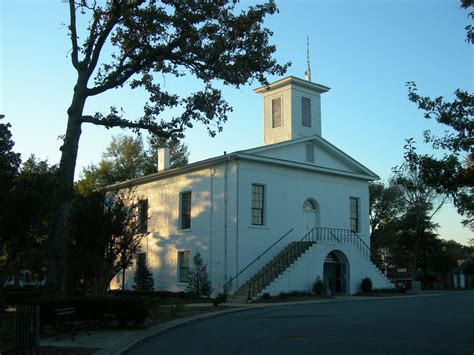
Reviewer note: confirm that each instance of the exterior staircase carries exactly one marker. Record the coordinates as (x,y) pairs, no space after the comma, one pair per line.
(270,271)
(294,251)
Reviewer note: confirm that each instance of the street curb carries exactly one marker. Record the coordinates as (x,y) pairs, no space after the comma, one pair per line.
(127,344)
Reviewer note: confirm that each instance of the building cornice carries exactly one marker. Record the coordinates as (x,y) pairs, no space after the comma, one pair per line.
(292,80)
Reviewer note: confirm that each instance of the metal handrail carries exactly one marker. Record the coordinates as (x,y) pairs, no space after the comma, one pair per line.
(314,235)
(361,240)
(254,261)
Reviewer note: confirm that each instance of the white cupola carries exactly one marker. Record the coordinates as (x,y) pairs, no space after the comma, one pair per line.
(291,109)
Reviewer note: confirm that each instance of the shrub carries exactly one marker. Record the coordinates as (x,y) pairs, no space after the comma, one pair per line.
(366,284)
(15,296)
(387,290)
(96,308)
(298,294)
(221,298)
(143,278)
(153,294)
(266,296)
(318,286)
(198,278)
(130,309)
(283,295)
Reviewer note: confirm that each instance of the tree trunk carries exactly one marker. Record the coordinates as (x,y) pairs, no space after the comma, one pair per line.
(57,270)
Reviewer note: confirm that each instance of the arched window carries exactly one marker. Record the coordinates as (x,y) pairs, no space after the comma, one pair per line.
(309,205)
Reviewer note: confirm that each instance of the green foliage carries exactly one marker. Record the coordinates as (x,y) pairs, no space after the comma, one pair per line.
(466,4)
(13,296)
(453,173)
(154,294)
(283,295)
(415,232)
(9,165)
(143,278)
(266,296)
(28,219)
(366,284)
(198,278)
(108,242)
(221,298)
(318,286)
(127,158)
(96,308)
(387,290)
(386,204)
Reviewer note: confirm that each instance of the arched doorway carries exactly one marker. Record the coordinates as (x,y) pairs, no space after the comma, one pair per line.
(336,273)
(310,212)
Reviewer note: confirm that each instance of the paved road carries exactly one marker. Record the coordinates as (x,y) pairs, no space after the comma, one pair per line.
(441,324)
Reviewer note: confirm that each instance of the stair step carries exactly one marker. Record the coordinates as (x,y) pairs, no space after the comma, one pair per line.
(274,268)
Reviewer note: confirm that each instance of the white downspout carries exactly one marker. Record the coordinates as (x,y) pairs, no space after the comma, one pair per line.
(225,221)
(237,229)
(212,172)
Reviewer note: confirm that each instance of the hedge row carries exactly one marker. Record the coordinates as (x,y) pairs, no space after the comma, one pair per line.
(154,294)
(95,308)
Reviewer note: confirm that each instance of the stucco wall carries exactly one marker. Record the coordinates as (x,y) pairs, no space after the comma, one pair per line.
(223,233)
(285,192)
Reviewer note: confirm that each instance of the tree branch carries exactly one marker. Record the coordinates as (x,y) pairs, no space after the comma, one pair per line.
(114,19)
(116,122)
(73,33)
(116,79)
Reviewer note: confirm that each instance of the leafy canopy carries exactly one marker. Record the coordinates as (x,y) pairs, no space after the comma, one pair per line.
(453,173)
(127,158)
(211,40)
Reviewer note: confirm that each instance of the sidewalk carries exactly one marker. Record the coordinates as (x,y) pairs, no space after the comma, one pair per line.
(119,341)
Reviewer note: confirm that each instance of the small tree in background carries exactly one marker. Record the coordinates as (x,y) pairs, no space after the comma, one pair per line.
(143,278)
(198,278)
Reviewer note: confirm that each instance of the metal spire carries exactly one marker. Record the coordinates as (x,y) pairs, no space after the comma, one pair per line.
(307,73)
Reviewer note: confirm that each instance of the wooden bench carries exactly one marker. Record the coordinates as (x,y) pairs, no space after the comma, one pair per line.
(69,323)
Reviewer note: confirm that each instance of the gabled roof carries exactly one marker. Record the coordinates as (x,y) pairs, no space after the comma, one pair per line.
(318,141)
(255,154)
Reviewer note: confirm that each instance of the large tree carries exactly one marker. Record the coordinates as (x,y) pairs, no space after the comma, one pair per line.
(452,171)
(421,202)
(134,41)
(9,165)
(104,237)
(386,204)
(28,218)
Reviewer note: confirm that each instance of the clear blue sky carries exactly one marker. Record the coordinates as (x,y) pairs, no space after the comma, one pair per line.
(365,50)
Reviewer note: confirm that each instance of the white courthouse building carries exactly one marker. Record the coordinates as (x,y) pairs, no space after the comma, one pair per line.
(268,219)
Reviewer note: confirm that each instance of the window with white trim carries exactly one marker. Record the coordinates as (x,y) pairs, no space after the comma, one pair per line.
(183,265)
(185,210)
(306,112)
(354,214)
(258,204)
(276,112)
